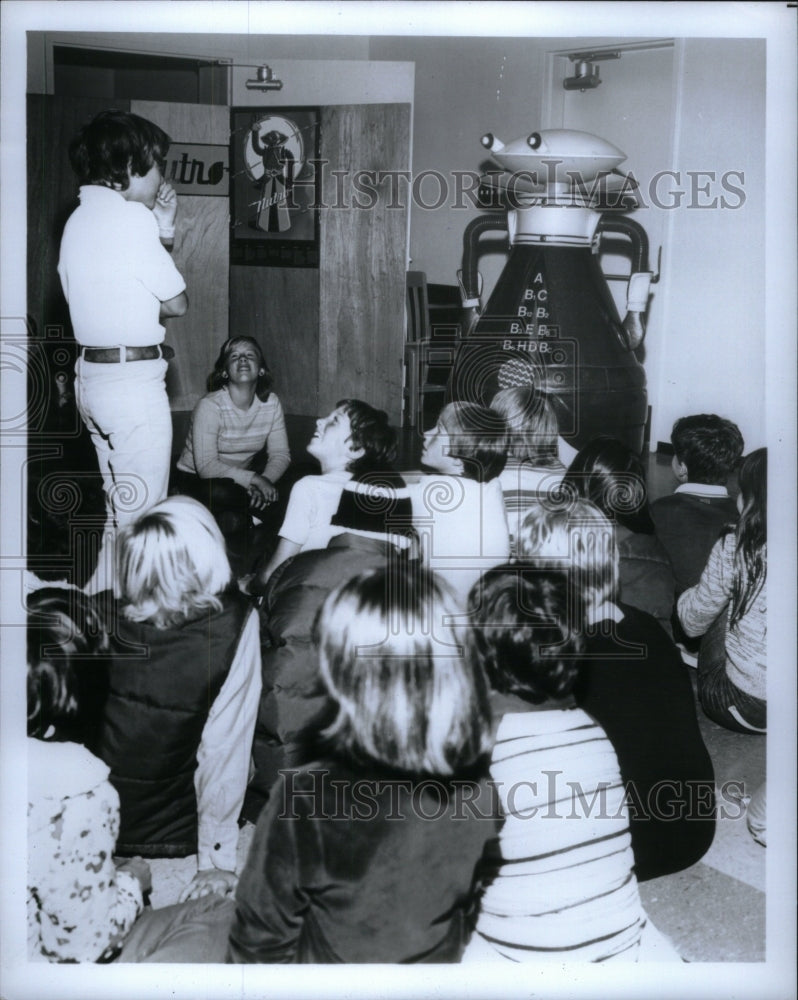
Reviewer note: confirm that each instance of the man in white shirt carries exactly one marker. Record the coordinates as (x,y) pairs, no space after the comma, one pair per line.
(120,282)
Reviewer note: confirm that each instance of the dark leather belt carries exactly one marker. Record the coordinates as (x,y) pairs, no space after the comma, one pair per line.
(109,355)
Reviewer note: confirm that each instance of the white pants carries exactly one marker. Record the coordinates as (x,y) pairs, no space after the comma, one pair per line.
(126,410)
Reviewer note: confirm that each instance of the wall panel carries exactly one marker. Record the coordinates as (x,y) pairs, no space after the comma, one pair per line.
(279,306)
(201,253)
(362,282)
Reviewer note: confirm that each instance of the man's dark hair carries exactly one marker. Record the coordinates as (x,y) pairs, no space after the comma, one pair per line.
(114,142)
(710,447)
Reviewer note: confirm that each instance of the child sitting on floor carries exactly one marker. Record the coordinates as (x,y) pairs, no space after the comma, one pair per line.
(368,853)
(533,470)
(707,449)
(558,885)
(459,512)
(80,906)
(732,594)
(237,447)
(608,473)
(633,683)
(355,446)
(184,684)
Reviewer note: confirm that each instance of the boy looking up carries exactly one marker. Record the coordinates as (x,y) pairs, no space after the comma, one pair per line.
(352,444)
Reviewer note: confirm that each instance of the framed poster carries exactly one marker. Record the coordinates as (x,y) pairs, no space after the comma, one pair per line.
(275,186)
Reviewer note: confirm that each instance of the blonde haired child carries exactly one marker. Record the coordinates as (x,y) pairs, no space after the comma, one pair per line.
(533,470)
(458,510)
(184,685)
(364,855)
(171,563)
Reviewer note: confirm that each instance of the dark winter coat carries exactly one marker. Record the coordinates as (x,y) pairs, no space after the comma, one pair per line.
(293,701)
(162,685)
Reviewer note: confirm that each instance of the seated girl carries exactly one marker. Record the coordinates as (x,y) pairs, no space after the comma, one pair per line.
(237,447)
(533,470)
(729,607)
(633,683)
(558,884)
(80,906)
(184,684)
(609,474)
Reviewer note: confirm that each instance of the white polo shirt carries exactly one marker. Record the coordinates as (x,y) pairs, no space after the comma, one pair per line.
(114,271)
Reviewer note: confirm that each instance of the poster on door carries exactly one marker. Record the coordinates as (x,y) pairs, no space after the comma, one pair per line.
(274,187)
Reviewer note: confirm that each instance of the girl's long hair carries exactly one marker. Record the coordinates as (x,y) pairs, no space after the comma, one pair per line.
(611,476)
(750,535)
(218,377)
(406,698)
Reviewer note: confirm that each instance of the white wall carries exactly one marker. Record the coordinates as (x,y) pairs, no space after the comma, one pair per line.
(713,268)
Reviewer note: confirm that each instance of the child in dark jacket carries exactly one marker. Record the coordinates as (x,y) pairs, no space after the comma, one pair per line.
(293,696)
(364,855)
(688,522)
(184,682)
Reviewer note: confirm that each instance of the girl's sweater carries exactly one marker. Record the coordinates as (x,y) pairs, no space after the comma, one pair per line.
(223,439)
(746,641)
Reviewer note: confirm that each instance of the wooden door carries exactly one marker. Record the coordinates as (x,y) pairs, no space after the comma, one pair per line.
(201,253)
(362,271)
(52,197)
(338,330)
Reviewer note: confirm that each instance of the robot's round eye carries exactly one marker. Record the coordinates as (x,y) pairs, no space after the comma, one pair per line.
(487,140)
(534,141)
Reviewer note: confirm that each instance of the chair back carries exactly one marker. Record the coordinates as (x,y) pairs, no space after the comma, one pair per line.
(418,327)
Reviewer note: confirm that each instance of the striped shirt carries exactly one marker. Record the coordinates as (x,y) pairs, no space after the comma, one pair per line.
(559,885)
(222,439)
